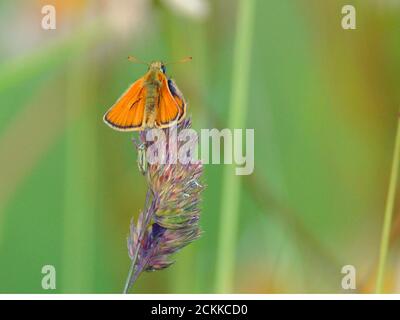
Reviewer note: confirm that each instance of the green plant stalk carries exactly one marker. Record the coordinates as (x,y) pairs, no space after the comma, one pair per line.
(388,213)
(131,273)
(231,184)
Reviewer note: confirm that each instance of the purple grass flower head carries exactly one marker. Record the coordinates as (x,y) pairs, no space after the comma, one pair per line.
(170,219)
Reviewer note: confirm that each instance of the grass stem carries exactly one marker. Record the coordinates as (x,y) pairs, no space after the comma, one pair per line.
(131,273)
(388,213)
(132,269)
(231,184)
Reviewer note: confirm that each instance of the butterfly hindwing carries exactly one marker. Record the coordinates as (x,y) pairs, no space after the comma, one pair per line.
(178,96)
(168,110)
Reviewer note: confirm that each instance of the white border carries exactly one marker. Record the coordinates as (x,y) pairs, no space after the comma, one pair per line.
(199,296)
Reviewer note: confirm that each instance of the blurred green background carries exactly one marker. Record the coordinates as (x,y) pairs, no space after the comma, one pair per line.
(323,102)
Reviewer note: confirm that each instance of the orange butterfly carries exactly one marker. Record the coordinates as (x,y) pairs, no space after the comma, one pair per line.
(152,101)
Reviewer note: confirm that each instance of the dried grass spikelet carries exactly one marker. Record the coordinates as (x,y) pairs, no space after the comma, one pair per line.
(170,219)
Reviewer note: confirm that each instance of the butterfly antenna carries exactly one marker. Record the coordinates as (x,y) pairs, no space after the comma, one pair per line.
(187,59)
(136,60)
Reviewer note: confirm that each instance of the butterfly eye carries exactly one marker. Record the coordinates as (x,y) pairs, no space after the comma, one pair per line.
(163,69)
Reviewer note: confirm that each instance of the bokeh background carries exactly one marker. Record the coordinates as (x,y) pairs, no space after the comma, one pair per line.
(323,102)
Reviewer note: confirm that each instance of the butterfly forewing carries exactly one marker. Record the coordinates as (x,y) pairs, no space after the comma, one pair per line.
(127,113)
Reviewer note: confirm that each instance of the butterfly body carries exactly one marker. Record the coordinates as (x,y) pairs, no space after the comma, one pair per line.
(153,86)
(151,101)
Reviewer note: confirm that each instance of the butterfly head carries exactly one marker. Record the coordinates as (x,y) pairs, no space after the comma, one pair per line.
(157,66)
